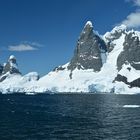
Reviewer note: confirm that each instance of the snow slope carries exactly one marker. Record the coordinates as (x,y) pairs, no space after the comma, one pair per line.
(17,83)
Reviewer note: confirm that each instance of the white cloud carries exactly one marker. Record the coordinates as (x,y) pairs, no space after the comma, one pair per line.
(35,44)
(133,19)
(22,47)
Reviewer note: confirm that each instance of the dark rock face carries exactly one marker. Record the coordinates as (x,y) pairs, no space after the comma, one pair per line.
(87,54)
(2,78)
(11,66)
(10,69)
(60,68)
(121,78)
(131,53)
(135,83)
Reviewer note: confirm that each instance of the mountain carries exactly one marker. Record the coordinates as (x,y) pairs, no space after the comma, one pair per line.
(11,79)
(8,68)
(98,63)
(87,54)
(108,63)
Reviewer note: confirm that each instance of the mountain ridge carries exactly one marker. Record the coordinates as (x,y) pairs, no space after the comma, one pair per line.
(99,64)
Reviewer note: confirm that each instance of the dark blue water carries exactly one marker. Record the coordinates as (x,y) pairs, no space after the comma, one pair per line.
(74,117)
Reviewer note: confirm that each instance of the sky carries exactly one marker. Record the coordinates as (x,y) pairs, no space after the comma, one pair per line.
(42,34)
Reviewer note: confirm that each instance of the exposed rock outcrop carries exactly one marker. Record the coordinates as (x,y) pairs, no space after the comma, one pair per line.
(116,33)
(87,54)
(131,52)
(10,67)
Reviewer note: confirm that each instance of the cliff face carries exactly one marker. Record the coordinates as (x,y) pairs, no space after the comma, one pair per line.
(10,67)
(131,52)
(87,54)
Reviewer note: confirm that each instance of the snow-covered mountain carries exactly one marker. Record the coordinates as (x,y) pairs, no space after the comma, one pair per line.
(11,79)
(9,68)
(108,63)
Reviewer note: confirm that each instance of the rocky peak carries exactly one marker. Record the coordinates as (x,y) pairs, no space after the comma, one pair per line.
(87,28)
(11,66)
(12,59)
(89,23)
(116,33)
(87,54)
(8,68)
(119,29)
(131,51)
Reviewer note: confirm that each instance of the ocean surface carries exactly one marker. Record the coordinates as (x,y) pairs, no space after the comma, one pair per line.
(70,117)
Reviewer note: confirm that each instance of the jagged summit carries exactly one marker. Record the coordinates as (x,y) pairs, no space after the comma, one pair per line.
(87,54)
(12,57)
(115,33)
(88,29)
(88,24)
(11,66)
(119,28)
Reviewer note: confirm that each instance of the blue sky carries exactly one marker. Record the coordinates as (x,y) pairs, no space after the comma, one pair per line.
(42,34)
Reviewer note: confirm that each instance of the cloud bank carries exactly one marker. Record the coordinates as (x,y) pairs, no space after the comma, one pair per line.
(25,46)
(21,47)
(133,19)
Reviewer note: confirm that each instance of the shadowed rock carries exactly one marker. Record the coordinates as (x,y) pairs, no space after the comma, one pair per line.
(11,66)
(131,52)
(135,83)
(87,54)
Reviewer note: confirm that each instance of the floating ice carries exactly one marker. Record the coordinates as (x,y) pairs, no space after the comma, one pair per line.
(131,106)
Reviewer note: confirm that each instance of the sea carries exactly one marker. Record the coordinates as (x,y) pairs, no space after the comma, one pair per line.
(69,117)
